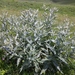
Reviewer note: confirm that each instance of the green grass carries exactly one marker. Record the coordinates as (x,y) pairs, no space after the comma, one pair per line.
(71,2)
(15,6)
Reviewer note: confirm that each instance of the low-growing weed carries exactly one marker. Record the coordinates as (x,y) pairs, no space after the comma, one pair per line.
(37,46)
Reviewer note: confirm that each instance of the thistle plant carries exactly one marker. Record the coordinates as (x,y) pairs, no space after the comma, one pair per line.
(37,44)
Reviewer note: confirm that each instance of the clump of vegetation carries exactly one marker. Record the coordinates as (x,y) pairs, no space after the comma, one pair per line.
(37,45)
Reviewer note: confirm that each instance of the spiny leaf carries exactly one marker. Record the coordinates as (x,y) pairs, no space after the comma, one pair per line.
(18,61)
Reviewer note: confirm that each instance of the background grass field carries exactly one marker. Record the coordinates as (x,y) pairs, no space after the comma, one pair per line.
(65,7)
